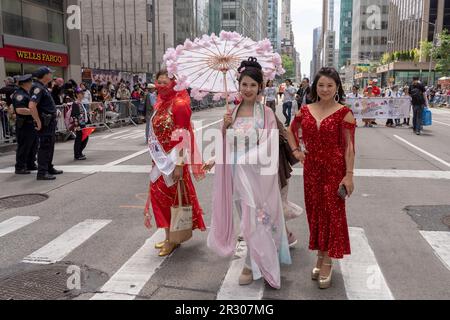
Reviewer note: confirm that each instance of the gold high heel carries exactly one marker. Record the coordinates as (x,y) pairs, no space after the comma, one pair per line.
(325,283)
(316,271)
(160,245)
(167,251)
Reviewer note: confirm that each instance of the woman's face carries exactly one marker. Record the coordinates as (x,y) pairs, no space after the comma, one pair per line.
(163,80)
(326,88)
(270,84)
(249,88)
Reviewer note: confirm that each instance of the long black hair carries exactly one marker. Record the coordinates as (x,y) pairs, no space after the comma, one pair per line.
(329,73)
(251,68)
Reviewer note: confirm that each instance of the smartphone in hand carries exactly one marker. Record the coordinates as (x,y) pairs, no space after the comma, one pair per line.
(342,192)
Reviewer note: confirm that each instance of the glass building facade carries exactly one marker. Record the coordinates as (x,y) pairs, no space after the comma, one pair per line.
(345,36)
(34,34)
(39,19)
(194,18)
(247,17)
(273,23)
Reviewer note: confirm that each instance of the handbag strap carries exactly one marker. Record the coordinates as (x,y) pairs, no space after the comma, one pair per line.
(179,191)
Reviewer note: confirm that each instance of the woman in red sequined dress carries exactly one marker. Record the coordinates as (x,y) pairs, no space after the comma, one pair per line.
(172,114)
(322,137)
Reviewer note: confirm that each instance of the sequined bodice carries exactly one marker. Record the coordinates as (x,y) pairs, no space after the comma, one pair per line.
(163,126)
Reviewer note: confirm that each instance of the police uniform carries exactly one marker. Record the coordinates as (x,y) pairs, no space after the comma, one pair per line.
(25,131)
(46,109)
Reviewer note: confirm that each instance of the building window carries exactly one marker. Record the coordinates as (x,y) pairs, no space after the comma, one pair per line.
(28,20)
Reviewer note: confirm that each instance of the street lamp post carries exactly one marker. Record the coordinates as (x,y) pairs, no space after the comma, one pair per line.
(431,53)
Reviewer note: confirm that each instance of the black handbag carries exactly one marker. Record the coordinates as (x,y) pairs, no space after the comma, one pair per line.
(285,148)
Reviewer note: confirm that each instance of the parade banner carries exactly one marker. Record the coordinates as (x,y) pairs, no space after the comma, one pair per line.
(380,108)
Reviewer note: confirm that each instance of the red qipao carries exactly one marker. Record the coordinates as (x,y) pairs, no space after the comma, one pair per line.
(173,112)
(327,144)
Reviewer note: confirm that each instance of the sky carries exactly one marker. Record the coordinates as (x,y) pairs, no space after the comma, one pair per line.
(306,16)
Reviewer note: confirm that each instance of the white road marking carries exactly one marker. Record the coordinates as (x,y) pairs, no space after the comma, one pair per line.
(129,280)
(383,173)
(440,111)
(59,248)
(362,275)
(137,154)
(440,242)
(114,134)
(423,151)
(127,158)
(128,135)
(230,288)
(441,123)
(135,136)
(15,223)
(362,173)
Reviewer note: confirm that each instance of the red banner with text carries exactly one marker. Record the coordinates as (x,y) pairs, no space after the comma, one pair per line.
(32,56)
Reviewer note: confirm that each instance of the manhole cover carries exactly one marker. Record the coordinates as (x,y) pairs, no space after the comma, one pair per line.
(45,284)
(446,221)
(63,281)
(20,201)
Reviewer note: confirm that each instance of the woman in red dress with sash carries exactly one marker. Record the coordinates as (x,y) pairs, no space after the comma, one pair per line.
(172,117)
(322,137)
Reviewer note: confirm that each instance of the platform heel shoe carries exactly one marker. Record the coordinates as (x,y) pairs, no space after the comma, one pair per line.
(160,245)
(325,283)
(315,273)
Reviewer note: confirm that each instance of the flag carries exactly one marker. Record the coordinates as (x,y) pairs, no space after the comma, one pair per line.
(87,132)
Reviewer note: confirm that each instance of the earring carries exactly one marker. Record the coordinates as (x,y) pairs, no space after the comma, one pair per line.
(337,98)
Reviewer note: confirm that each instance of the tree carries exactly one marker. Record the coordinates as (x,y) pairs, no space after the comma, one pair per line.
(425,49)
(441,53)
(289,66)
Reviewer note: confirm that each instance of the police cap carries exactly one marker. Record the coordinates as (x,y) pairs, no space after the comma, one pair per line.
(42,71)
(25,78)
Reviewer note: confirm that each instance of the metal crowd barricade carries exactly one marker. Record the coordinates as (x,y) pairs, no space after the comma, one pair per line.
(101,114)
(7,126)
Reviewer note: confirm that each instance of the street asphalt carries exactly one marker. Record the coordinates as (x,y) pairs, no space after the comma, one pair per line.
(396,170)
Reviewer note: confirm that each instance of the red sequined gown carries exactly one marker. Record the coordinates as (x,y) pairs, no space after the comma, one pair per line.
(324,169)
(171,114)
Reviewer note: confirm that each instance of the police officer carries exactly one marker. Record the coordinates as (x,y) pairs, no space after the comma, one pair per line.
(43,110)
(25,131)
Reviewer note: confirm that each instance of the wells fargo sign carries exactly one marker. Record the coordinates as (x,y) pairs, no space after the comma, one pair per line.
(24,55)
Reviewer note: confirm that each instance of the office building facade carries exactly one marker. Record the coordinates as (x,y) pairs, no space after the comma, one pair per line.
(345,33)
(246,17)
(369,30)
(34,33)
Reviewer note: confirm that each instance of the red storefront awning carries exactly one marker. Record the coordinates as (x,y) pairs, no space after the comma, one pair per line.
(32,56)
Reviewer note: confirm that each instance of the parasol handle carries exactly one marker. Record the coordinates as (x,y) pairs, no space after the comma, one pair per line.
(226,90)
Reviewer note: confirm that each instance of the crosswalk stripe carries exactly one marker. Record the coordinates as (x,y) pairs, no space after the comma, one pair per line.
(135,136)
(115,134)
(440,242)
(129,280)
(362,275)
(230,289)
(59,248)
(15,223)
(127,135)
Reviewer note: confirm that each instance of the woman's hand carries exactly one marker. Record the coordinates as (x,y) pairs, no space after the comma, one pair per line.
(209,165)
(349,185)
(300,156)
(227,120)
(177,174)
(147,221)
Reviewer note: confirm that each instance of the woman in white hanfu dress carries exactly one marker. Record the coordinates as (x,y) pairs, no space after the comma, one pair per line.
(246,176)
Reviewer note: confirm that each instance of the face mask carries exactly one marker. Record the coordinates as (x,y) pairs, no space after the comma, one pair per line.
(166,92)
